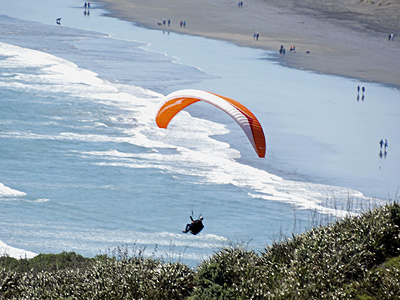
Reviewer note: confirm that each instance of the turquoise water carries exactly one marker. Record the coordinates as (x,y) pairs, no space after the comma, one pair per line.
(84,168)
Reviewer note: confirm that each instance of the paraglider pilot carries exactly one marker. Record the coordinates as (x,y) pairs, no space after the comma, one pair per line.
(195,227)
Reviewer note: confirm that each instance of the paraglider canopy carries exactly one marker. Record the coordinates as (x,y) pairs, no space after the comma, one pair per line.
(177,101)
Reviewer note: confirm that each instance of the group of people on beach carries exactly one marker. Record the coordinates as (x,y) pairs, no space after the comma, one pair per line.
(282,50)
(385,145)
(391,37)
(358,93)
(165,23)
(240,4)
(86,12)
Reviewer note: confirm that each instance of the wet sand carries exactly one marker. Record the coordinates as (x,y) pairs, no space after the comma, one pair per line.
(343,37)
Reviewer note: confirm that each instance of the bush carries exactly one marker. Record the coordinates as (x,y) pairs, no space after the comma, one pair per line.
(46,262)
(68,276)
(324,263)
(229,274)
(356,257)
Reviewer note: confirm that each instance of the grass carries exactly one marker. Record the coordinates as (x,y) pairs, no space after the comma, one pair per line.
(354,258)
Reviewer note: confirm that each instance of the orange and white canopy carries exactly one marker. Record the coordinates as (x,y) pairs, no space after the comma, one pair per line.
(176,101)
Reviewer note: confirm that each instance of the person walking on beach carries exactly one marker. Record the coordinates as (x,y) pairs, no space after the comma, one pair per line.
(386,144)
(282,50)
(381,143)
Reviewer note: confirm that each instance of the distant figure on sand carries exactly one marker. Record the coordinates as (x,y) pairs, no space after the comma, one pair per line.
(381,143)
(386,143)
(282,51)
(58,21)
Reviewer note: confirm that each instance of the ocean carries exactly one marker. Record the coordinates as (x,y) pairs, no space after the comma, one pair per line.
(84,168)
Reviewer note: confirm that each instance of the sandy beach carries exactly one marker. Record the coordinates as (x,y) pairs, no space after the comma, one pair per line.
(346,37)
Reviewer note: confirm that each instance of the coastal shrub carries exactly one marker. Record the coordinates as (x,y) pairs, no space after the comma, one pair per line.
(46,262)
(382,282)
(354,258)
(321,261)
(228,274)
(105,278)
(325,262)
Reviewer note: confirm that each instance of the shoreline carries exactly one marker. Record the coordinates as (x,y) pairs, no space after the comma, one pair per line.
(6,250)
(326,40)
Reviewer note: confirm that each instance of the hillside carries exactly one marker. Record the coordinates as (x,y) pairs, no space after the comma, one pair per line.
(357,257)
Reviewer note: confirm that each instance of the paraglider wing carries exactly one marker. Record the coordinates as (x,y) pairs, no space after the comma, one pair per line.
(176,101)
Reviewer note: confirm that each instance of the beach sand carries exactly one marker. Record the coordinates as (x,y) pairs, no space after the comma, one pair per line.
(340,37)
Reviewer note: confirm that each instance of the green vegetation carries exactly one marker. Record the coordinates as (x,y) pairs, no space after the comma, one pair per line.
(355,258)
